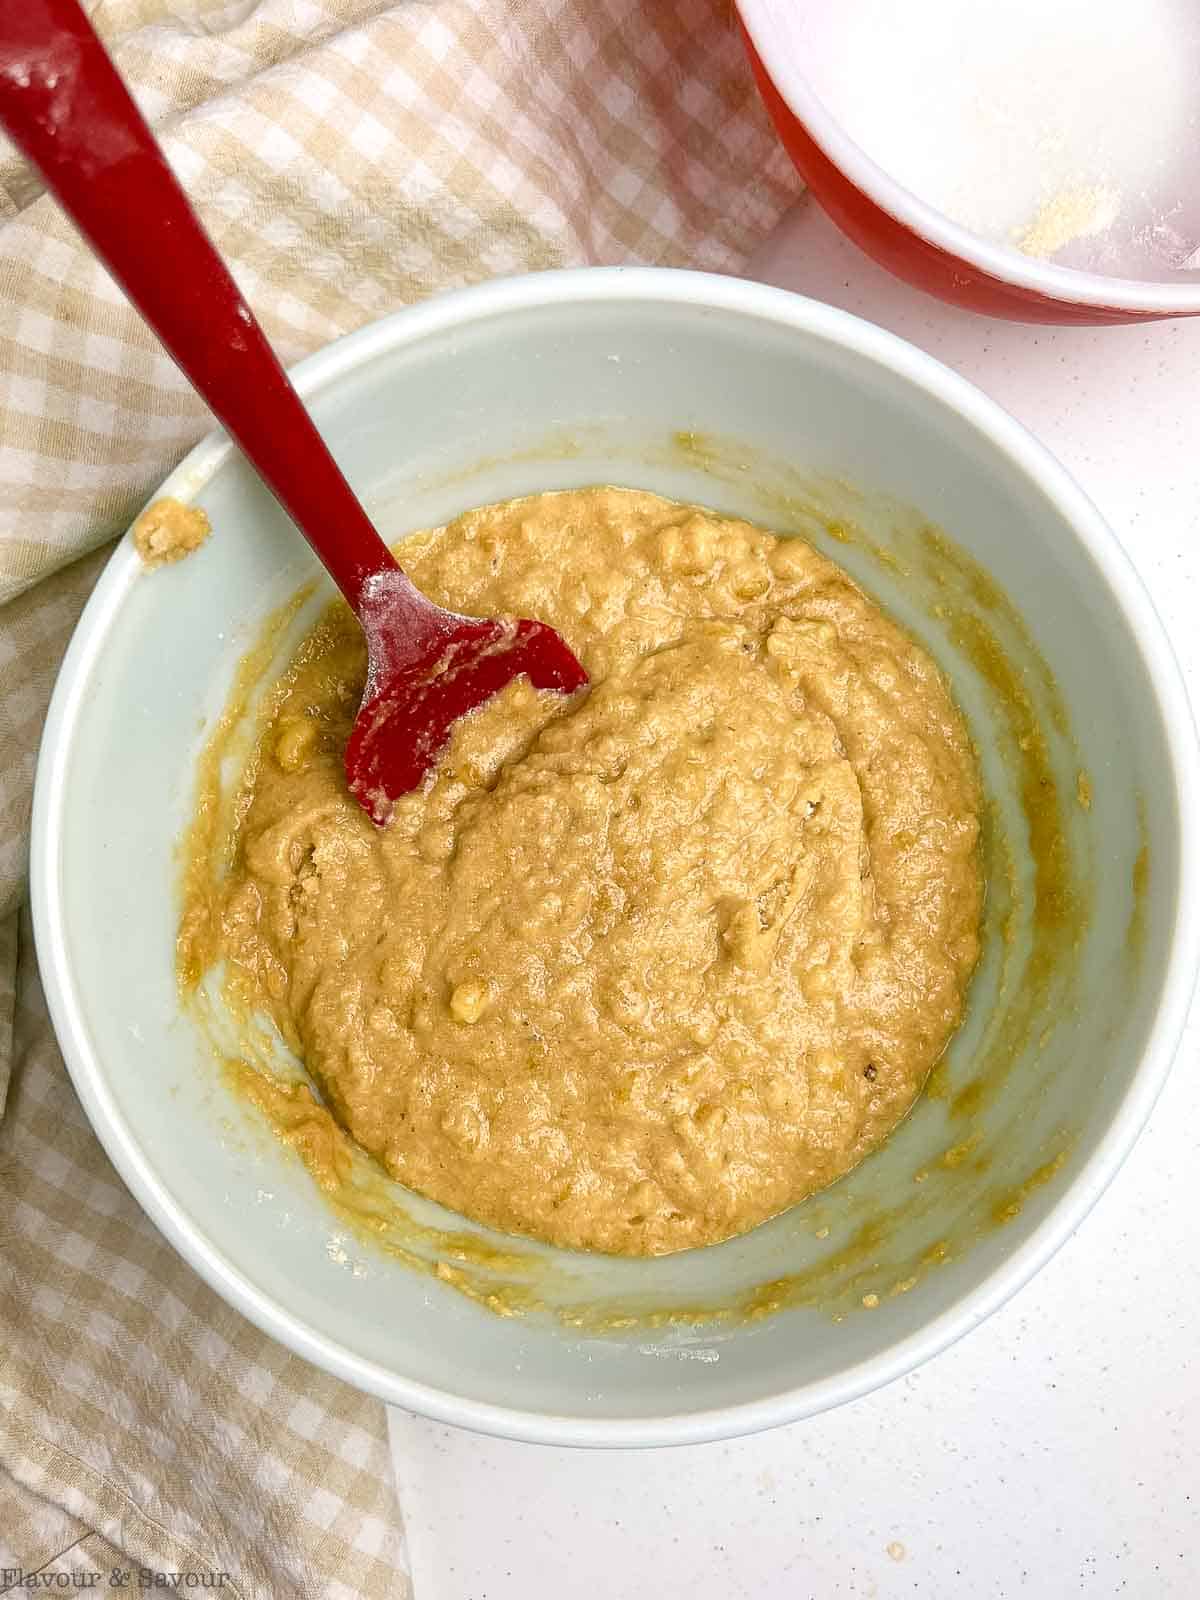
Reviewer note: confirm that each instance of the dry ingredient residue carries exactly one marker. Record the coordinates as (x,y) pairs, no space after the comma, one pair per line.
(168,530)
(1077,212)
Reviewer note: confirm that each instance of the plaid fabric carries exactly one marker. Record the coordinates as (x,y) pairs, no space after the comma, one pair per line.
(348,156)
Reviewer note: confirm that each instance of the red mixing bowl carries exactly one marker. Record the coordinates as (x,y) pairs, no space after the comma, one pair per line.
(910,238)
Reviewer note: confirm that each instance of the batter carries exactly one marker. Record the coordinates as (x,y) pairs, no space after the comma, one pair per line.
(638,970)
(168,531)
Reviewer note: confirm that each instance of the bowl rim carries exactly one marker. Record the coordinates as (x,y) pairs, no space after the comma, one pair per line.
(758,302)
(1064,284)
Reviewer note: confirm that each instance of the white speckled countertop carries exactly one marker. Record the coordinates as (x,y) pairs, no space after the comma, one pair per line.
(1055,1451)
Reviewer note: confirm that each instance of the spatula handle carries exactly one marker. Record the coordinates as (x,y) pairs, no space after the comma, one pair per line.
(64,105)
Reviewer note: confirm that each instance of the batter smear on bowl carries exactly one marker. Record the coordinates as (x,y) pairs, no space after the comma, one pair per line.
(637,970)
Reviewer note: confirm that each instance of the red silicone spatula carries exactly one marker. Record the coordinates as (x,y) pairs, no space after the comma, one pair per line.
(63,104)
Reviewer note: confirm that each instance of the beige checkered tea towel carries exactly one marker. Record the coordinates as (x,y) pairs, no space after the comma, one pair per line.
(348,156)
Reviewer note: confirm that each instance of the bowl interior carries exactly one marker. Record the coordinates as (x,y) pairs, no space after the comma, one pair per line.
(758,404)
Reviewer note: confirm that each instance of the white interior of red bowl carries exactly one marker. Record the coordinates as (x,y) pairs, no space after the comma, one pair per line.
(780,31)
(552,381)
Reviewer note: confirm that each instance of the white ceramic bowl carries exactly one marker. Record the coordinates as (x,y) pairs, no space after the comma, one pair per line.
(746,398)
